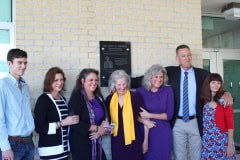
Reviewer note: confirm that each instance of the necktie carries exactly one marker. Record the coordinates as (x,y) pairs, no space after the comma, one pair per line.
(185,98)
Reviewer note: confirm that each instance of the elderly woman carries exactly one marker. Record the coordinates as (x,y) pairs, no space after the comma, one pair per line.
(159,103)
(124,109)
(86,102)
(52,119)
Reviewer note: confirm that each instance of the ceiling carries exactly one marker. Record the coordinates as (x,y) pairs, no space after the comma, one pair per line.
(214,7)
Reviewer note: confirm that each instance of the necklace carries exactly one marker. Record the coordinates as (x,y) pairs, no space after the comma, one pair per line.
(213,104)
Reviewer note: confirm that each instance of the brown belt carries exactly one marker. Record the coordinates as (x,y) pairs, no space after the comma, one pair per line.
(27,139)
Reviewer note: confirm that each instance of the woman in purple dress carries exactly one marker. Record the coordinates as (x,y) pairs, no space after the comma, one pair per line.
(124,107)
(159,103)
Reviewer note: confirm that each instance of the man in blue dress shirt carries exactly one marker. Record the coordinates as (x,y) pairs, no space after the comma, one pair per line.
(16,120)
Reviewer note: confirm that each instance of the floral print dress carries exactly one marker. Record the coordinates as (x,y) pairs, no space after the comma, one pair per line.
(214,141)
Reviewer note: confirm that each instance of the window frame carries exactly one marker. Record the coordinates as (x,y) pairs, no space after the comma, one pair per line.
(11,26)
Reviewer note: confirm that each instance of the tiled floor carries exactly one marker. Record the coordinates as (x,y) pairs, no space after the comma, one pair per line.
(37,157)
(106,148)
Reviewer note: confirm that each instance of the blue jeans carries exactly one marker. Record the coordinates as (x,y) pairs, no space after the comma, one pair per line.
(22,151)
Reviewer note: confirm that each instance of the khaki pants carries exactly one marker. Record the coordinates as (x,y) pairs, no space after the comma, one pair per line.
(187,142)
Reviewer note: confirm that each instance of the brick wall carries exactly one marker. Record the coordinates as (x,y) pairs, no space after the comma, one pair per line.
(67,34)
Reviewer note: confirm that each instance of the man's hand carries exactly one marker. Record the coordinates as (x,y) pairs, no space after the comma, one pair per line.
(228,99)
(7,155)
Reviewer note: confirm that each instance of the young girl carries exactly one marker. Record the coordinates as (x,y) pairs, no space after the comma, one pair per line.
(218,123)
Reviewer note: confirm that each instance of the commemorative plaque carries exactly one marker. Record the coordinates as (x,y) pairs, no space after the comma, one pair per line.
(114,55)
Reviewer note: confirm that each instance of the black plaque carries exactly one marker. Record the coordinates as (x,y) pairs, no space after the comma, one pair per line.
(114,55)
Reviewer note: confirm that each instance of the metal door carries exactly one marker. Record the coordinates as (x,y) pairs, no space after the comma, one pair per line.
(227,63)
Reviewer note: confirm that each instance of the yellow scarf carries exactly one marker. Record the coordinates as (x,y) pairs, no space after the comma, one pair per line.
(127,113)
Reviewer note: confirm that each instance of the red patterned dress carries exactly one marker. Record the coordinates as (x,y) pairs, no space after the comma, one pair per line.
(214,141)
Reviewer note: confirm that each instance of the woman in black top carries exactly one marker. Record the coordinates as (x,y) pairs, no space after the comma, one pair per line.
(86,101)
(52,118)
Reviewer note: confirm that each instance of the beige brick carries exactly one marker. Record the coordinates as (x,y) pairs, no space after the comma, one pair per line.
(67,33)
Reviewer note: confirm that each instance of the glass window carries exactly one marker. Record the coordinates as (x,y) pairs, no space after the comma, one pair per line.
(218,32)
(4,36)
(3,59)
(7,32)
(6,11)
(206,64)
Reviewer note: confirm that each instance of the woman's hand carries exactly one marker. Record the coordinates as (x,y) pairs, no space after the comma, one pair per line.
(145,147)
(94,135)
(70,120)
(98,133)
(149,124)
(229,152)
(101,130)
(144,113)
(104,123)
